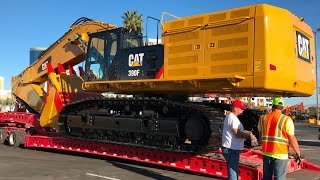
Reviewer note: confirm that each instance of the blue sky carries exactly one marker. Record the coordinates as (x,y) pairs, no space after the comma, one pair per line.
(38,23)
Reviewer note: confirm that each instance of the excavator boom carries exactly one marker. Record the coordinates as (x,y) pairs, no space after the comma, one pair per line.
(27,87)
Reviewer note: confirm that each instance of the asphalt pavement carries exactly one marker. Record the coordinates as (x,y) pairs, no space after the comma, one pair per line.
(307,136)
(25,164)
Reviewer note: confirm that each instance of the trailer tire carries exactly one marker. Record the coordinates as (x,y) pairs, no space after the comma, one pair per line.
(319,134)
(14,139)
(3,136)
(23,136)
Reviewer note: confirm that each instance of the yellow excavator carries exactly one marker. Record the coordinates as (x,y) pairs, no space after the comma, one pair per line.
(257,50)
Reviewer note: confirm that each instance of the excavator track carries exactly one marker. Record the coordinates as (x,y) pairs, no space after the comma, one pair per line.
(144,122)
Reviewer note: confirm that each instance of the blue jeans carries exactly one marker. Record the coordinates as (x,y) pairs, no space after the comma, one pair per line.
(232,158)
(276,167)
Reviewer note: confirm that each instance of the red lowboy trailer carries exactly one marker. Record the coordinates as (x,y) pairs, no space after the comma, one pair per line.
(22,129)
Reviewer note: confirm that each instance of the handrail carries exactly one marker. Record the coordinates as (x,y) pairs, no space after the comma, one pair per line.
(226,22)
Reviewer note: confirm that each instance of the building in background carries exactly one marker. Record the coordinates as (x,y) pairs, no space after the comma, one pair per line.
(258,101)
(1,82)
(152,41)
(35,52)
(5,95)
(251,102)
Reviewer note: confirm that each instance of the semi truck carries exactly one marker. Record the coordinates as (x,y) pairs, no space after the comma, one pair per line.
(257,50)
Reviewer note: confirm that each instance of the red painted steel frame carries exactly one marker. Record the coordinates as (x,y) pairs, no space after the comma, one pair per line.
(19,118)
(212,163)
(18,121)
(182,161)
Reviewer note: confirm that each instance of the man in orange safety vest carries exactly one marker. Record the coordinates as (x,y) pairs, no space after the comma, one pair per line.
(277,133)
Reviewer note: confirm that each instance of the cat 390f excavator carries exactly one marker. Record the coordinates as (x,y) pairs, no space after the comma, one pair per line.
(258,50)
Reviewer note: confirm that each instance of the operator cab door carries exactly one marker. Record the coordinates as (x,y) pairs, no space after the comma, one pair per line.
(119,54)
(136,61)
(101,56)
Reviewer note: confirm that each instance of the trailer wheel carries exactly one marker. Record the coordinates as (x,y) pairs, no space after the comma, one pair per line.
(23,136)
(3,136)
(14,139)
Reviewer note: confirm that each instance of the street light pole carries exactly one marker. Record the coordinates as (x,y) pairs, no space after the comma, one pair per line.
(316,58)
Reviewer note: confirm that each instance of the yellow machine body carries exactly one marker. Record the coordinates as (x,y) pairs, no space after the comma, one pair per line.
(258,50)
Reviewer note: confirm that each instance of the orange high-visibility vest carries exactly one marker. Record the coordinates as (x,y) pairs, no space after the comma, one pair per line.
(273,135)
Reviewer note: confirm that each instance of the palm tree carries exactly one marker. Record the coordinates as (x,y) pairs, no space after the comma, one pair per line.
(5,103)
(10,101)
(132,21)
(1,103)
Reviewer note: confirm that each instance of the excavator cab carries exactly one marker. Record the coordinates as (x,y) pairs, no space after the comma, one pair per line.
(119,54)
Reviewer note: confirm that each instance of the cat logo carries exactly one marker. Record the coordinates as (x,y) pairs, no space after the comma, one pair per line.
(303,46)
(43,66)
(135,60)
